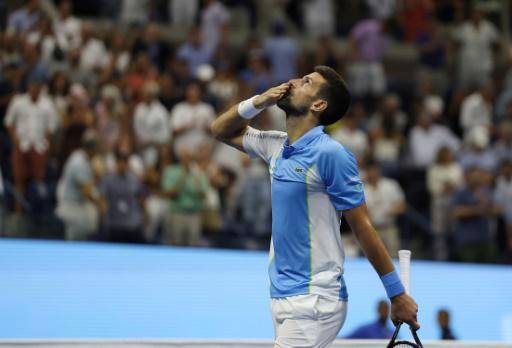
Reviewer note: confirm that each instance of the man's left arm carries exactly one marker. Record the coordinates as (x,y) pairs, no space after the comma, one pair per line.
(403,307)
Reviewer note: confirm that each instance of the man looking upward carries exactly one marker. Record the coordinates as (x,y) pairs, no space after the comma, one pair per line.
(314,181)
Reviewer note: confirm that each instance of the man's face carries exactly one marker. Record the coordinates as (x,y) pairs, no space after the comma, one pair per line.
(302,93)
(383,310)
(34,89)
(122,165)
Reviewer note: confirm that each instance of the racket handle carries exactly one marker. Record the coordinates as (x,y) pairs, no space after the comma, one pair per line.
(404,257)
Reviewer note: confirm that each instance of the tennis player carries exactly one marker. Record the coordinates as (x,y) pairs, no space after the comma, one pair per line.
(314,181)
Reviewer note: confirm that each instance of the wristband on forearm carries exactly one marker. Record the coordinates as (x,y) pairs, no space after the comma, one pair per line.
(392,284)
(247,110)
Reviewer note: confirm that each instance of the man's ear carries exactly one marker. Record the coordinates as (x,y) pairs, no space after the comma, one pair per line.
(319,105)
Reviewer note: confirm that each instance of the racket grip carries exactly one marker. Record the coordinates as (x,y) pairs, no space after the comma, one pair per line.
(404,257)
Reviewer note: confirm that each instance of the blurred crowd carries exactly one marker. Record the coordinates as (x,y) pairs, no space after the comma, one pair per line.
(105,113)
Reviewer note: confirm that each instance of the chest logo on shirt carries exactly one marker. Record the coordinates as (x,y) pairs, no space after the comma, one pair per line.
(299,170)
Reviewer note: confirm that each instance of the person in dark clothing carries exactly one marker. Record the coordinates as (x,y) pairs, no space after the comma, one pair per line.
(124,194)
(377,329)
(443,319)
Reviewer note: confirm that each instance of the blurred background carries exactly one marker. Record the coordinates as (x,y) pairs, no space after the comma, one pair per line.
(105,109)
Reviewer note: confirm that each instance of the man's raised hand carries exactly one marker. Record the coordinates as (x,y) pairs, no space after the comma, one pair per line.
(271,96)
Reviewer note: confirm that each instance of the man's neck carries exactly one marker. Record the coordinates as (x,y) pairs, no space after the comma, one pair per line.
(298,126)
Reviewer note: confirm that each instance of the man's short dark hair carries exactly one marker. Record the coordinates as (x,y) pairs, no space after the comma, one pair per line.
(335,92)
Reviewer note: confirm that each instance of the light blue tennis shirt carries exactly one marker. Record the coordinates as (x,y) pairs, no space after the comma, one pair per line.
(313,181)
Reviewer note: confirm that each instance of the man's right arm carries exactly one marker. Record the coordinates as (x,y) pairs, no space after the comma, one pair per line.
(230,127)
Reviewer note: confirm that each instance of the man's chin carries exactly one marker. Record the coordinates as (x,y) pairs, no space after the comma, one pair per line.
(284,103)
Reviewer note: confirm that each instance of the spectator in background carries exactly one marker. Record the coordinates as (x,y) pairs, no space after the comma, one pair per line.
(381,9)
(476,109)
(426,138)
(58,91)
(214,22)
(157,206)
(43,37)
(319,17)
(109,113)
(444,177)
(223,87)
(432,55)
(379,329)
(386,129)
(31,64)
(23,19)
(169,93)
(134,11)
(475,39)
(195,51)
(152,44)
(119,53)
(502,148)
(415,18)
(389,115)
(252,201)
(77,119)
(257,75)
(93,53)
(326,53)
(125,198)
(67,28)
(190,120)
(217,180)
(473,212)
(183,12)
(350,135)
(151,124)
(185,185)
(78,201)
(503,196)
(283,54)
(443,320)
(31,118)
(385,200)
(367,42)
(476,151)
(141,72)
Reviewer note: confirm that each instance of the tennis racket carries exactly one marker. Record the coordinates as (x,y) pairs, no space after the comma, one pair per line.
(404,257)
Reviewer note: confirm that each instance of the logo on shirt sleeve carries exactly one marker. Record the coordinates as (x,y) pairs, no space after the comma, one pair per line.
(299,170)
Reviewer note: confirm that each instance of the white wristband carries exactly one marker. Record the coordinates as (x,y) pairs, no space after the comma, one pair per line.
(247,110)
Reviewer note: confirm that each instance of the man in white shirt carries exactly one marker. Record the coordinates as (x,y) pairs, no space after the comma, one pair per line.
(426,138)
(475,39)
(31,118)
(385,200)
(190,120)
(67,28)
(476,109)
(78,201)
(151,124)
(93,54)
(214,21)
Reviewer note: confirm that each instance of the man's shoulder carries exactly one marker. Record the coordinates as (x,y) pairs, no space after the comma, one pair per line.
(327,146)
(19,99)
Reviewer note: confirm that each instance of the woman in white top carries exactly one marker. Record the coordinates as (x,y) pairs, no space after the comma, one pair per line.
(444,177)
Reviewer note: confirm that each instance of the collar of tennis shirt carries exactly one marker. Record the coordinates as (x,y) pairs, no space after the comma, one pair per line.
(303,141)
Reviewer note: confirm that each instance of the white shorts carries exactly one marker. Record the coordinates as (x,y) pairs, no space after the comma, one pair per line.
(307,320)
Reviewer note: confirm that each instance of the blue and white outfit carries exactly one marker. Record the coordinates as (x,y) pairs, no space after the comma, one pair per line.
(313,181)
